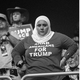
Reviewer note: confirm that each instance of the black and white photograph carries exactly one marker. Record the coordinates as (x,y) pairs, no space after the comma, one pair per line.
(39,40)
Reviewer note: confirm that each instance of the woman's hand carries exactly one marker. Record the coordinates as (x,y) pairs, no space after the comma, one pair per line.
(21,66)
(63,62)
(22,69)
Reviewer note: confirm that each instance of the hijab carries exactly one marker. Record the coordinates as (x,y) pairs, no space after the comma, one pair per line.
(41,39)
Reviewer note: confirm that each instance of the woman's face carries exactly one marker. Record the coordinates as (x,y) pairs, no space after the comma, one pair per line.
(2,24)
(16,16)
(42,27)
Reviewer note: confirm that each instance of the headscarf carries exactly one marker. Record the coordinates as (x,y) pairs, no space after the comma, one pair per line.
(35,35)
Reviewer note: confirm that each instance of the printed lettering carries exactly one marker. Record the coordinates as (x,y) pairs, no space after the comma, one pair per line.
(38,54)
(31,54)
(40,49)
(23,32)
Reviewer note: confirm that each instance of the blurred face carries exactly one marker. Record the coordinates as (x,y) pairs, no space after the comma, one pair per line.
(42,27)
(2,24)
(16,16)
(73,61)
(76,39)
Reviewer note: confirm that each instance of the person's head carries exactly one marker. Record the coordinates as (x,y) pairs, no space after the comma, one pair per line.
(3,24)
(42,30)
(76,36)
(74,61)
(42,26)
(76,39)
(17,14)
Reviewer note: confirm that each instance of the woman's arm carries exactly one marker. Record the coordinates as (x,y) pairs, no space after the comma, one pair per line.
(13,40)
(69,45)
(18,51)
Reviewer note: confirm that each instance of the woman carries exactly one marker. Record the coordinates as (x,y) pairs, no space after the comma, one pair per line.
(17,16)
(43,50)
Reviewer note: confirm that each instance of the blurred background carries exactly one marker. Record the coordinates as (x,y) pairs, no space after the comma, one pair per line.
(63,14)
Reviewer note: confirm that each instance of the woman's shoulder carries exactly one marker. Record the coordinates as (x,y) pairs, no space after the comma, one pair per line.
(58,34)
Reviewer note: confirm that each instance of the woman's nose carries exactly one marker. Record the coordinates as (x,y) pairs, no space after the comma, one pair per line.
(42,28)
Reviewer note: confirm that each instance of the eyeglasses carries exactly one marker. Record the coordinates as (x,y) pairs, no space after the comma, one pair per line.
(42,25)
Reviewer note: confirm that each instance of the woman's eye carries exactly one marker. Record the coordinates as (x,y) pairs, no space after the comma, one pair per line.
(42,25)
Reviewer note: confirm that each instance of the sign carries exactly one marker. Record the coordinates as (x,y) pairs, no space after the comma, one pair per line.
(22,31)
